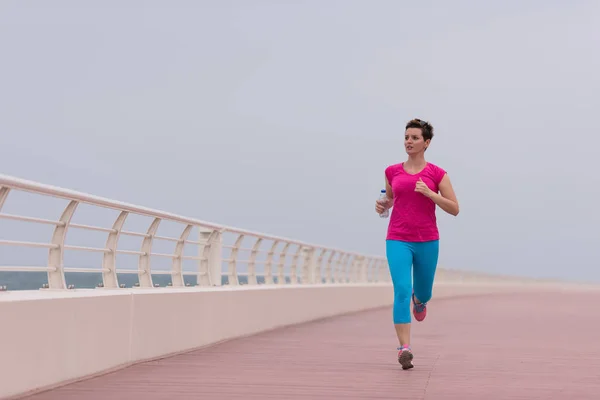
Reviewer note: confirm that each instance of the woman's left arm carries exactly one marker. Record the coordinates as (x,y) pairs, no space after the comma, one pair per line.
(446,199)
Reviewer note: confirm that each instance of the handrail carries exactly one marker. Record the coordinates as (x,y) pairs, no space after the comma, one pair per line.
(347,266)
(39,188)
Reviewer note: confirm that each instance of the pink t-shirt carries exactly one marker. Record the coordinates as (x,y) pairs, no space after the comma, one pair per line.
(413,216)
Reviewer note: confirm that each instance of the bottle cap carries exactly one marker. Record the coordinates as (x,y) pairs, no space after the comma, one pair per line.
(382,190)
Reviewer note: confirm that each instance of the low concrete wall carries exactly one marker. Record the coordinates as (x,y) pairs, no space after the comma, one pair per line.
(169,323)
(49,338)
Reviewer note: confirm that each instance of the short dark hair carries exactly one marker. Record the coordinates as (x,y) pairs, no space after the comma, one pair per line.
(426,128)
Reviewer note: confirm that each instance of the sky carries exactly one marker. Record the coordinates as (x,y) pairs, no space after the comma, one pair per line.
(281,117)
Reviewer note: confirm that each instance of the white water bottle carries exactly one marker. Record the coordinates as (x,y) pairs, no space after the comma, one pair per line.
(383,196)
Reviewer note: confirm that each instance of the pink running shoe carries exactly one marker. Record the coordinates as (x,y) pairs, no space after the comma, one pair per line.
(405,357)
(419,309)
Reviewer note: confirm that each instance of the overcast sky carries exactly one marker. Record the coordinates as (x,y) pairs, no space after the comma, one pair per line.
(281,116)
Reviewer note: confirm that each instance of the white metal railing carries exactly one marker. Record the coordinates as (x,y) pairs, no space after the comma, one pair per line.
(305,263)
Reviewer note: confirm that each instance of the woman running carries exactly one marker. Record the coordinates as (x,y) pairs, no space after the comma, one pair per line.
(412,242)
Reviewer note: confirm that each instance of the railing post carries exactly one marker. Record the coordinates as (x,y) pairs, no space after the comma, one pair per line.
(281,264)
(309,266)
(341,267)
(357,276)
(56,273)
(215,259)
(232,270)
(319,267)
(252,264)
(351,277)
(144,268)
(354,268)
(365,270)
(294,266)
(177,279)
(210,266)
(109,260)
(329,277)
(3,195)
(269,264)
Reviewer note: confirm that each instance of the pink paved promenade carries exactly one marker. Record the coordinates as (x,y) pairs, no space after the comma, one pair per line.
(527,346)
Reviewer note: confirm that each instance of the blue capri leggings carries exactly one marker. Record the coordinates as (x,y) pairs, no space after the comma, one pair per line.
(406,259)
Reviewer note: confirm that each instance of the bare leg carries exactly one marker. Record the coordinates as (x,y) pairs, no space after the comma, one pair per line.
(403,333)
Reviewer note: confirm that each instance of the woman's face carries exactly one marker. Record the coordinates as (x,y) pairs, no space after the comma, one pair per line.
(413,141)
